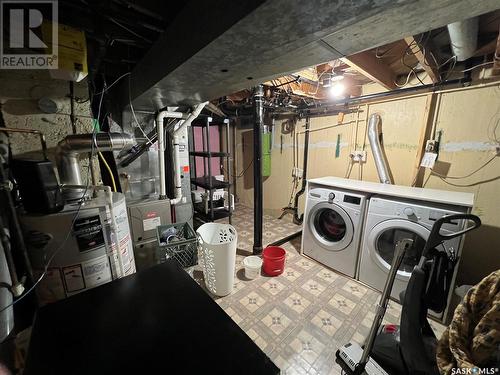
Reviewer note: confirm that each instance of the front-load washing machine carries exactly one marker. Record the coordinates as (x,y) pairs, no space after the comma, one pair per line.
(332,227)
(389,220)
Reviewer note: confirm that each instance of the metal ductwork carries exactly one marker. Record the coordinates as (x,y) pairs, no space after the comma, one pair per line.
(69,149)
(463,37)
(378,156)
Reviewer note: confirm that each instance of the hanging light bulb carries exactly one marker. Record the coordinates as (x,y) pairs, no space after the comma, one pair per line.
(336,90)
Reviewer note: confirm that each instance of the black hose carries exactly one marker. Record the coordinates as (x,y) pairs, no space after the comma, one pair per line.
(296,218)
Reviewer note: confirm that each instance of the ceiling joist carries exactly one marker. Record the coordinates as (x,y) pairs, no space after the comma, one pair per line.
(424,58)
(368,65)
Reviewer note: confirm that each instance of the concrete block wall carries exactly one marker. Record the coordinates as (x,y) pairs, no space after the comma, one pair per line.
(20,92)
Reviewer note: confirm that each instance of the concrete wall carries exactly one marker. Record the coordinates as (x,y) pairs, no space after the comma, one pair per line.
(467,119)
(19,94)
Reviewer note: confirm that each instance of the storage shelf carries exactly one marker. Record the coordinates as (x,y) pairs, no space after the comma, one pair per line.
(207,180)
(218,214)
(209,183)
(206,154)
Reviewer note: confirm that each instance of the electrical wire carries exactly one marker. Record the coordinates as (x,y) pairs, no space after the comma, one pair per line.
(477,66)
(409,51)
(349,169)
(106,88)
(467,175)
(94,142)
(111,176)
(238,175)
(471,184)
(133,113)
(468,69)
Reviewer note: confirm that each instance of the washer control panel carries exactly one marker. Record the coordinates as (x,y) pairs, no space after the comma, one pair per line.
(335,196)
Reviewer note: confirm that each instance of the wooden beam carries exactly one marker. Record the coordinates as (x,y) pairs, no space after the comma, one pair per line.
(368,65)
(424,58)
(487,48)
(425,135)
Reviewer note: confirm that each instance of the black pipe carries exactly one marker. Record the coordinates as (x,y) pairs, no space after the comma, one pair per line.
(399,92)
(296,218)
(138,150)
(286,239)
(258,104)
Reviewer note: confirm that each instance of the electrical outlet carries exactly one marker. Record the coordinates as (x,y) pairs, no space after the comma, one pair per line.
(358,156)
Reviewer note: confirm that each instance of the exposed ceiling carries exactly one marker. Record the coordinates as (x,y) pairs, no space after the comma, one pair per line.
(395,64)
(211,50)
(118,32)
(194,50)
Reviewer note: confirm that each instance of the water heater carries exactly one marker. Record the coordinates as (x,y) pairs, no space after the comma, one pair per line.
(87,247)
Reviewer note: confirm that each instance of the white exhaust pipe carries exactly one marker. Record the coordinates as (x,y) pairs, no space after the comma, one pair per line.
(378,156)
(463,37)
(161,148)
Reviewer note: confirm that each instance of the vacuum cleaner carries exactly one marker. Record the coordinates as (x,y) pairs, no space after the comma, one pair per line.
(409,348)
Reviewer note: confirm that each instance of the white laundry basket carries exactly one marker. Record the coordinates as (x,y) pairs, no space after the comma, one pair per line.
(217,256)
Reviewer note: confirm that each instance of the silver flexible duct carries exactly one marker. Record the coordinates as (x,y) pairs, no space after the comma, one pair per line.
(69,149)
(463,37)
(378,156)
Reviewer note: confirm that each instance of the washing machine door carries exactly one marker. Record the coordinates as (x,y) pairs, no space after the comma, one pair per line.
(382,240)
(331,226)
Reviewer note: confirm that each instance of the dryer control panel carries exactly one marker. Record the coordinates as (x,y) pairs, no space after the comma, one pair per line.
(415,212)
(334,196)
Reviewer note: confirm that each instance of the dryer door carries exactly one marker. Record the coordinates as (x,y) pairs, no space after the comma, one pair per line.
(330,226)
(382,240)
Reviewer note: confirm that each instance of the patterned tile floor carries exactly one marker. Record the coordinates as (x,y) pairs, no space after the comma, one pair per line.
(301,317)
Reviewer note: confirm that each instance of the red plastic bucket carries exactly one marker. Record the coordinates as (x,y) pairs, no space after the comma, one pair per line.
(273,260)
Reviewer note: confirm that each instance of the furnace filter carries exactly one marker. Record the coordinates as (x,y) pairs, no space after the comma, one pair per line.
(88,257)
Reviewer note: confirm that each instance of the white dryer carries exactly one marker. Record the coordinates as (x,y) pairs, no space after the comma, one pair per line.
(389,220)
(332,227)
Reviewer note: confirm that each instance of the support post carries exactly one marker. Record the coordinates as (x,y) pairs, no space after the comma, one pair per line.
(258,104)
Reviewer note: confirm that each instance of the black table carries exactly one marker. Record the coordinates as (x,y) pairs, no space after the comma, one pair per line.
(158,321)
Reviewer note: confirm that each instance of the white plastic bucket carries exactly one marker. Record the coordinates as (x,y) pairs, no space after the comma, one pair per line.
(217,256)
(252,266)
